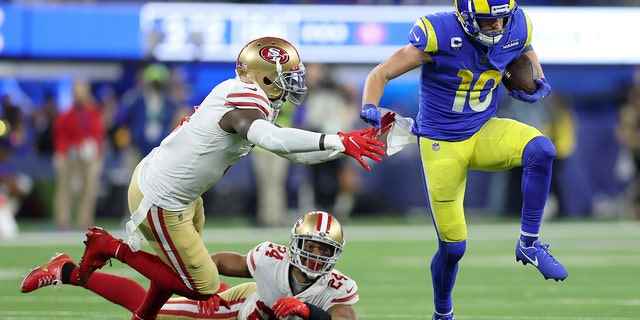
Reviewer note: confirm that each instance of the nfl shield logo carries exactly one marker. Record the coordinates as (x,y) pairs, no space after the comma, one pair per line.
(435,146)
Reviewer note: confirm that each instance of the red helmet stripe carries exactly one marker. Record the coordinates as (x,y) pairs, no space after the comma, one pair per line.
(329,223)
(325,221)
(319,222)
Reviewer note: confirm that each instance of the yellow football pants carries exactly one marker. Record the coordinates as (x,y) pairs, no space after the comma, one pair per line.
(498,145)
(175,237)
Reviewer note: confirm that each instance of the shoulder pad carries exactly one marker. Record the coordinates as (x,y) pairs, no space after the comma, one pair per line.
(344,289)
(247,96)
(264,254)
(423,35)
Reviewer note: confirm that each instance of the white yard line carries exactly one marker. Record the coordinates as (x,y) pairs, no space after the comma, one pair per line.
(38,315)
(50,314)
(607,231)
(491,317)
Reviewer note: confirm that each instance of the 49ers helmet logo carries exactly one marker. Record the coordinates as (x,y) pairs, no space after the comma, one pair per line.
(271,54)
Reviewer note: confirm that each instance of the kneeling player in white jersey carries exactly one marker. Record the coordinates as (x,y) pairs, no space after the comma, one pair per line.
(296,281)
(165,189)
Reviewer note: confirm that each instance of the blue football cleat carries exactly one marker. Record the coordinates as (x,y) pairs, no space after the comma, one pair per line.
(539,256)
(437,316)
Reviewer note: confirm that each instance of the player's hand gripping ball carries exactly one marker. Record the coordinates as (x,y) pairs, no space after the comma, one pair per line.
(520,75)
(525,81)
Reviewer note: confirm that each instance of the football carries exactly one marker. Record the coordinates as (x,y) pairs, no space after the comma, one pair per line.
(520,75)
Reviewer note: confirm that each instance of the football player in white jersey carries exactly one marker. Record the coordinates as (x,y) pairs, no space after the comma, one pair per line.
(295,281)
(165,189)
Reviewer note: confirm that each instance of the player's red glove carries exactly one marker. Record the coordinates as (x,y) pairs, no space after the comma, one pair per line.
(290,306)
(361,143)
(386,123)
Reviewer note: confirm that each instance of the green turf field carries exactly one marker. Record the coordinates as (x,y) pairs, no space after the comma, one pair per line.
(390,265)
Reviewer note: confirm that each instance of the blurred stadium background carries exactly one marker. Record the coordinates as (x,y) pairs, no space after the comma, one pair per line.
(137,68)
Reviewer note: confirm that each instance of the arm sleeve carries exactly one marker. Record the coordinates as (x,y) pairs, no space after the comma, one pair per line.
(313,157)
(346,294)
(252,258)
(529,31)
(289,140)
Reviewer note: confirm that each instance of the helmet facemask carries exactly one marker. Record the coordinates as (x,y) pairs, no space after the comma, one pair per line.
(311,264)
(491,38)
(292,83)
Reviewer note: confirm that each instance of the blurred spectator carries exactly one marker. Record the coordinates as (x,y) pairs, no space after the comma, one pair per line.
(13,185)
(560,129)
(329,108)
(12,122)
(271,179)
(109,102)
(78,139)
(629,135)
(112,198)
(43,120)
(148,113)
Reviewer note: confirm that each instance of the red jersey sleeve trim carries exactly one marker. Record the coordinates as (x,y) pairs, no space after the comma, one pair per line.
(345,299)
(247,95)
(248,105)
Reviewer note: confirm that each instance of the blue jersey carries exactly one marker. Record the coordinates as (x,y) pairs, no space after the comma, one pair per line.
(459,89)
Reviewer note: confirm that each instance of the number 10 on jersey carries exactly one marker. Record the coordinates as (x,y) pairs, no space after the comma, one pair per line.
(467,92)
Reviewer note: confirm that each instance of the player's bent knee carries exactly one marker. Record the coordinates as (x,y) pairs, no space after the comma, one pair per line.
(208,287)
(453,233)
(205,279)
(539,150)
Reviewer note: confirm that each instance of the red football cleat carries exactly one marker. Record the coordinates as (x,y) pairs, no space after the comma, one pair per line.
(100,246)
(47,274)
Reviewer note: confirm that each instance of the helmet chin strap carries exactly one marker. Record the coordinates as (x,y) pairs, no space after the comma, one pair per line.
(277,104)
(308,275)
(278,66)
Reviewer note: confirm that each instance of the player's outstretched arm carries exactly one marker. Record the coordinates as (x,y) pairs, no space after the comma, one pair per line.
(342,312)
(311,158)
(251,125)
(402,61)
(231,264)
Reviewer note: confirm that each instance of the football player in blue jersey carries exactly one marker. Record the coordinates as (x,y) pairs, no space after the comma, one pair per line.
(463,55)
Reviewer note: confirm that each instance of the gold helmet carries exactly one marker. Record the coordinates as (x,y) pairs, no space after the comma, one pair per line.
(274,64)
(321,228)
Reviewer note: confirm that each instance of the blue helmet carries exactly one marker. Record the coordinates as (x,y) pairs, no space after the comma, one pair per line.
(470,11)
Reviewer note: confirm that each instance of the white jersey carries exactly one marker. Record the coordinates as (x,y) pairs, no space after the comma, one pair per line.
(269,265)
(195,156)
